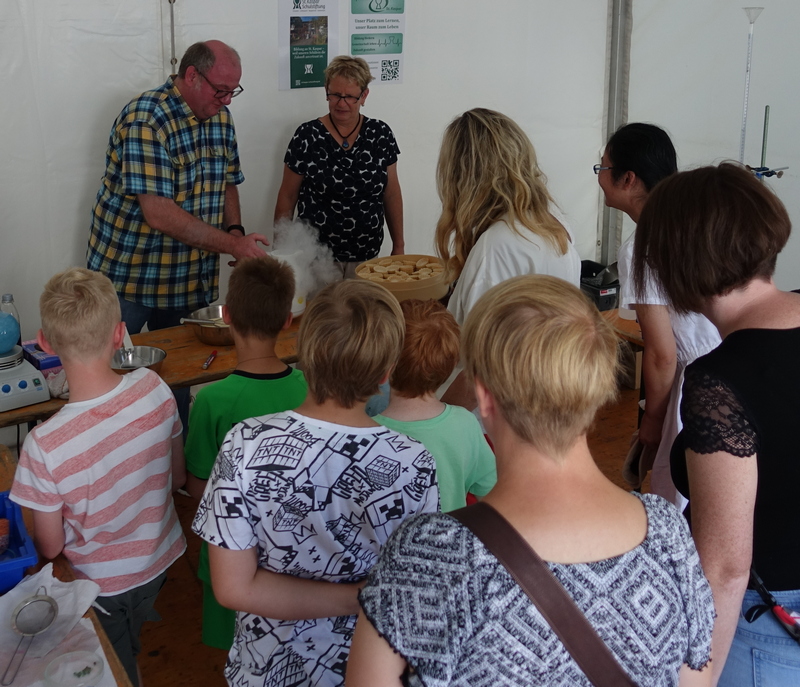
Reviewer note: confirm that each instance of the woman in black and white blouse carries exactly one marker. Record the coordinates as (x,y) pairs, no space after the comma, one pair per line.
(340,172)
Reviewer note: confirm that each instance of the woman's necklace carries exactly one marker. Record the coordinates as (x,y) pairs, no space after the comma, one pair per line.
(345,144)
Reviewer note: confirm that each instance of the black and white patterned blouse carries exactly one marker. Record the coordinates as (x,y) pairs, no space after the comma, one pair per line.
(458,618)
(342,190)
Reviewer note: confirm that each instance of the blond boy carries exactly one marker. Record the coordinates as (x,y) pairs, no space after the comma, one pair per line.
(300,502)
(99,475)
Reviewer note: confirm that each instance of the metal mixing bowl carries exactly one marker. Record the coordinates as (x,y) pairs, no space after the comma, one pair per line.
(209,334)
(127,359)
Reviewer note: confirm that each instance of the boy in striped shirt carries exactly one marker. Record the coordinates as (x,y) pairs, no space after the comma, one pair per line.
(99,475)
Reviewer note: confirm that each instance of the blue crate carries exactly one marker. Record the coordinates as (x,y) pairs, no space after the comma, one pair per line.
(21,553)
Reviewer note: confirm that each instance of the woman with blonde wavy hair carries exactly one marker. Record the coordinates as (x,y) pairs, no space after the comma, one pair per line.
(498,219)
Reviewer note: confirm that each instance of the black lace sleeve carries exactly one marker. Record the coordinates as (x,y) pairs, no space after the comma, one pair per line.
(713,417)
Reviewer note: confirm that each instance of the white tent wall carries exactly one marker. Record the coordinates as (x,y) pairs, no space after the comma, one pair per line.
(70,67)
(688,63)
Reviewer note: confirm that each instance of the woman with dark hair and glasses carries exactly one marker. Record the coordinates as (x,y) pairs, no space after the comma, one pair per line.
(712,236)
(637,157)
(341,172)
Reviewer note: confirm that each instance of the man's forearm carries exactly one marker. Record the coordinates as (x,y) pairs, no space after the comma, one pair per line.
(232,213)
(164,215)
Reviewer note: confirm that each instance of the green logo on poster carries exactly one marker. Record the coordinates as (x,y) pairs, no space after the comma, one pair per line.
(377,6)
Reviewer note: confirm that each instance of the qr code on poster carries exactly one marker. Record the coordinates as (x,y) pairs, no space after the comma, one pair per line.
(390,70)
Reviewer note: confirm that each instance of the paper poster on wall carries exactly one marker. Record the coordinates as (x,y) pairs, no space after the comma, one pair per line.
(308,39)
(377,28)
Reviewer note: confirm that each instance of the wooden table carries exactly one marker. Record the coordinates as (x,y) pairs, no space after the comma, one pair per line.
(631,332)
(626,329)
(182,367)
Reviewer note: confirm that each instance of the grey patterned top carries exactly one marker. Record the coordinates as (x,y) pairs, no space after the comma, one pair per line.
(459,619)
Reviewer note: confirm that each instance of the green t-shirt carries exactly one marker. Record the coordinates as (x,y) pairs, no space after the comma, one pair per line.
(464,461)
(218,407)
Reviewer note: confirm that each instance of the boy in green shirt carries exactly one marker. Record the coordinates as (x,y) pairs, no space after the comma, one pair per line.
(464,462)
(257,308)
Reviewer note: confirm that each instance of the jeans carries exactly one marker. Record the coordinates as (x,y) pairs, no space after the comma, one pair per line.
(763,654)
(135,316)
(124,617)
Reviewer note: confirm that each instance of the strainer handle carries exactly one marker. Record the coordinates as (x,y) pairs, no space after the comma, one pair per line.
(7,680)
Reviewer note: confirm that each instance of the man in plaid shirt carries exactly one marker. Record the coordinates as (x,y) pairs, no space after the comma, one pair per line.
(169,204)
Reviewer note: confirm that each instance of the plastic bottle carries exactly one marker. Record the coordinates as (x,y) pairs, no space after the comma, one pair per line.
(7,306)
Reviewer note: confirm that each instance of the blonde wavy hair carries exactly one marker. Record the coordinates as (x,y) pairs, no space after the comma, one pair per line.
(487,171)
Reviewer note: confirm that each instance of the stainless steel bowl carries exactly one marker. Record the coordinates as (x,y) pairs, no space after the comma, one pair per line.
(127,359)
(211,335)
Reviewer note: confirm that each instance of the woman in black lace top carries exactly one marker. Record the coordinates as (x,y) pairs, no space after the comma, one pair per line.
(712,236)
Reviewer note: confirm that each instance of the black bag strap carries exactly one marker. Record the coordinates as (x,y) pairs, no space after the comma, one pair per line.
(548,595)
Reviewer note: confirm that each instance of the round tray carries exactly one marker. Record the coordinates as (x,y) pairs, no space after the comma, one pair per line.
(434,287)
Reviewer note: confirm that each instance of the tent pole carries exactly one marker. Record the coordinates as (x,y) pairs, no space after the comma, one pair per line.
(619,54)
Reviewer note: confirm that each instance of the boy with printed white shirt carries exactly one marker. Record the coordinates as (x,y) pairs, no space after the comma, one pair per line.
(99,475)
(300,502)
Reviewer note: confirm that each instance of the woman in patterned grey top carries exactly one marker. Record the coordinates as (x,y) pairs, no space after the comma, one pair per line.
(439,609)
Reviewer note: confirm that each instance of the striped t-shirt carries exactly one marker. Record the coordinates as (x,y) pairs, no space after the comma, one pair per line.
(106,464)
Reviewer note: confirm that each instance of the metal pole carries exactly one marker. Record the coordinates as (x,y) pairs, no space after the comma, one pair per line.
(172,59)
(616,111)
(752,14)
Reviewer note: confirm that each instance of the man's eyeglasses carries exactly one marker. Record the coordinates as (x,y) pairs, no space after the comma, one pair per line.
(349,99)
(599,168)
(221,92)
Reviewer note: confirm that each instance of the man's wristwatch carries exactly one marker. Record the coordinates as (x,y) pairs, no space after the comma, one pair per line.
(230,227)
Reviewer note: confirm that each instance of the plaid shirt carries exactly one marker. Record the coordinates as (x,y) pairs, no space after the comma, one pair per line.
(158,147)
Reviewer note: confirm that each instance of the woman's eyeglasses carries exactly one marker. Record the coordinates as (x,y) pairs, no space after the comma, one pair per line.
(349,99)
(599,168)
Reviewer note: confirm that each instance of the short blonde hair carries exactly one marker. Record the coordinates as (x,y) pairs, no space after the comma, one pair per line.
(545,354)
(350,336)
(79,310)
(487,171)
(353,69)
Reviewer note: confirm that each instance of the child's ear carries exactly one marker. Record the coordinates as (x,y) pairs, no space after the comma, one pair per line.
(385,377)
(43,343)
(486,403)
(119,334)
(226,315)
(288,322)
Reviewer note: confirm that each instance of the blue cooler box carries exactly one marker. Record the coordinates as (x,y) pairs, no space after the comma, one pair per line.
(21,553)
